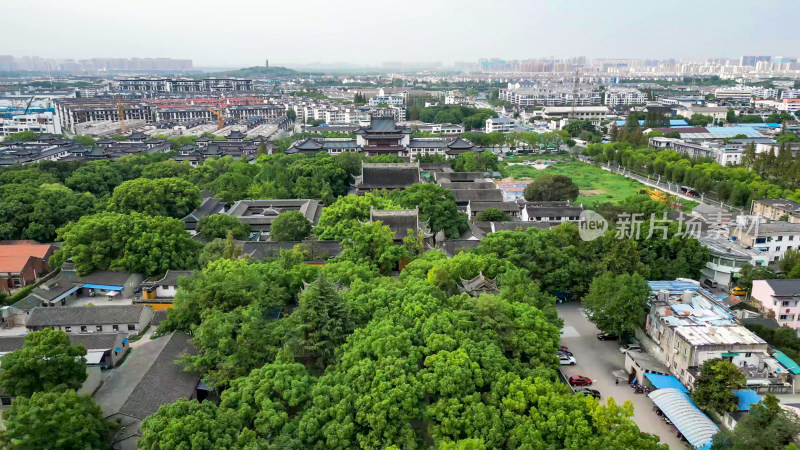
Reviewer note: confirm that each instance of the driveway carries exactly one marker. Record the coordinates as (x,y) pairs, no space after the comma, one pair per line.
(597,360)
(124,378)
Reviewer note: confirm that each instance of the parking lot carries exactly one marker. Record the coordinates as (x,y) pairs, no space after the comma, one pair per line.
(597,360)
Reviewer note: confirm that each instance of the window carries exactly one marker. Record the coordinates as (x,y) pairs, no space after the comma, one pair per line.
(5,401)
(99,328)
(784,303)
(131,327)
(779,238)
(67,329)
(778,248)
(83,328)
(115,327)
(747,355)
(761,240)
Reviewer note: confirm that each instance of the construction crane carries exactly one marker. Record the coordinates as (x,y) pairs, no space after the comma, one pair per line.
(219,116)
(121,111)
(28,106)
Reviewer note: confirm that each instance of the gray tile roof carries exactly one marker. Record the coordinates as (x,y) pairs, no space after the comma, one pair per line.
(90,341)
(388,175)
(483,195)
(106,277)
(85,315)
(785,288)
(399,221)
(164,382)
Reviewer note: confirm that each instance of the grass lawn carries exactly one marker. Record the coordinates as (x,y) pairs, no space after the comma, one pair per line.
(596,184)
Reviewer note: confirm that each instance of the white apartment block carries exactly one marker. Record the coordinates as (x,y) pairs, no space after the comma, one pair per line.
(772,238)
(624,96)
(790,93)
(391,100)
(499,124)
(45,122)
(549,96)
(184,84)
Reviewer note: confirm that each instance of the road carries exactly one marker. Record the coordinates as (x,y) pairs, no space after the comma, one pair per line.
(597,360)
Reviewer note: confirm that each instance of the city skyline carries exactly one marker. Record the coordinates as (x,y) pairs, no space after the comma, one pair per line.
(443,31)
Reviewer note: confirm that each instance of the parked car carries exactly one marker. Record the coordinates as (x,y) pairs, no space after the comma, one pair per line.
(737,291)
(630,348)
(607,336)
(567,360)
(562,352)
(580,380)
(586,391)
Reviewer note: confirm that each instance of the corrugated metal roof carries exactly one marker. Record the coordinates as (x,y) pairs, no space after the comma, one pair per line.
(747,398)
(787,362)
(674,287)
(665,381)
(693,424)
(718,335)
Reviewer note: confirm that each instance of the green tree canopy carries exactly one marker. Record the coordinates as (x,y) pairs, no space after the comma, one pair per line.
(290,226)
(714,386)
(766,426)
(195,425)
(550,188)
(436,205)
(171,197)
(133,242)
(324,321)
(492,215)
(47,362)
(219,225)
(56,420)
(617,304)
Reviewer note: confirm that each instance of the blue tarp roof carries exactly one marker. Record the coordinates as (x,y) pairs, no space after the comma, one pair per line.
(103,286)
(787,362)
(693,424)
(665,381)
(747,397)
(674,287)
(672,122)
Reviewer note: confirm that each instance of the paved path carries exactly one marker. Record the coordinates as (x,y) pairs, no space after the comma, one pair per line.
(118,387)
(597,360)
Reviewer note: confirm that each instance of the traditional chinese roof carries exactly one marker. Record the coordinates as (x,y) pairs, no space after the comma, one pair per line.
(388,175)
(479,285)
(400,221)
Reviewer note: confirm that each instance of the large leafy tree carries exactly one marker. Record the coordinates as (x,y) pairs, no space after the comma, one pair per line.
(219,225)
(436,205)
(133,242)
(231,344)
(324,321)
(548,187)
(171,197)
(193,424)
(289,226)
(714,386)
(766,426)
(97,177)
(56,420)
(617,303)
(31,211)
(348,212)
(225,285)
(47,362)
(492,215)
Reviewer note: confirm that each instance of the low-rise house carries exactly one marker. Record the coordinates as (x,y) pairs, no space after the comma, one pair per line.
(91,319)
(21,262)
(389,176)
(160,292)
(259,214)
(401,222)
(779,297)
(163,382)
(557,212)
(772,239)
(476,207)
(103,351)
(208,207)
(776,209)
(689,327)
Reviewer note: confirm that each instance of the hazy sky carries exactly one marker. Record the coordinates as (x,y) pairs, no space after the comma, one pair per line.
(368,32)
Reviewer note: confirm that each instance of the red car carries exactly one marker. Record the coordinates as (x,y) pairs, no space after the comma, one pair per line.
(580,380)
